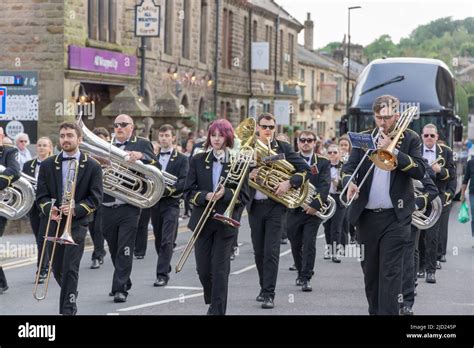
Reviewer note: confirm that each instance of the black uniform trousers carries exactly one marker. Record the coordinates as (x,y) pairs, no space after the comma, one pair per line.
(302,236)
(164,217)
(443,231)
(409,268)
(431,237)
(142,232)
(97,235)
(3,279)
(35,222)
(333,228)
(212,251)
(384,239)
(265,224)
(120,230)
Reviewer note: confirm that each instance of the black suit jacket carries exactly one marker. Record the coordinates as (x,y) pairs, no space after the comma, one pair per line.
(302,169)
(199,183)
(444,179)
(9,159)
(29,167)
(410,165)
(88,194)
(141,145)
(430,191)
(178,165)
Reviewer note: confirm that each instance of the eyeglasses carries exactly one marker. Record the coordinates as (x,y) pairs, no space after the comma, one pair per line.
(22,141)
(121,124)
(264,126)
(332,152)
(385,118)
(306,140)
(429,135)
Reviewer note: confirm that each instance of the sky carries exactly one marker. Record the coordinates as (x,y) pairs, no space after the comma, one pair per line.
(375,18)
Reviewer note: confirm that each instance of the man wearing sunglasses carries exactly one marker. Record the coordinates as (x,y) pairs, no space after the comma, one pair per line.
(265,214)
(440,157)
(120,220)
(303,223)
(382,212)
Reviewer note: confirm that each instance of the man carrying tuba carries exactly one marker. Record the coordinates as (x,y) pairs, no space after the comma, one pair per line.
(382,212)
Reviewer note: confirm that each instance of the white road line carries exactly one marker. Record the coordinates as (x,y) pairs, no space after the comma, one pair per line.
(183,288)
(113,314)
(151,304)
(286,252)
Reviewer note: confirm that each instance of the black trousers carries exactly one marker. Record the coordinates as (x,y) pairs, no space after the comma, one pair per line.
(95,229)
(164,218)
(265,224)
(142,232)
(35,222)
(65,266)
(212,251)
(120,230)
(443,231)
(384,239)
(3,279)
(409,268)
(333,228)
(302,236)
(284,225)
(431,237)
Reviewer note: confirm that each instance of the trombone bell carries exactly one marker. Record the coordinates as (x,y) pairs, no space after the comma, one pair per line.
(384,160)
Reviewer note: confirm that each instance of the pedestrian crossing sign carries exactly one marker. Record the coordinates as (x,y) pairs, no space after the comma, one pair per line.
(3,100)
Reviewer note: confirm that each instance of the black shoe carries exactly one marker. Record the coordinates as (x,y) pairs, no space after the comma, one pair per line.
(405,310)
(112,294)
(327,257)
(260,298)
(306,286)
(299,281)
(336,259)
(420,274)
(3,288)
(293,268)
(430,278)
(160,281)
(232,257)
(101,260)
(95,264)
(139,257)
(120,297)
(438,265)
(284,241)
(210,310)
(268,303)
(414,292)
(442,258)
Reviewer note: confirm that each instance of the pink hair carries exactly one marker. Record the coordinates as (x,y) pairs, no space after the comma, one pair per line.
(224,128)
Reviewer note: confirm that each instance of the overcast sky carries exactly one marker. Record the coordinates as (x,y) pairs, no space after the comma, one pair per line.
(375,18)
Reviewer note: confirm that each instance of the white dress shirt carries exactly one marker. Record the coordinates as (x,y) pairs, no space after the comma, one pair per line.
(65,165)
(379,196)
(165,158)
(216,170)
(429,154)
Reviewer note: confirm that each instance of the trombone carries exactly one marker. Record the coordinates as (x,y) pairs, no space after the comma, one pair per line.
(382,158)
(66,237)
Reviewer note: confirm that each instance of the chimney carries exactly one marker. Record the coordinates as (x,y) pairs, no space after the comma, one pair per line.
(308,33)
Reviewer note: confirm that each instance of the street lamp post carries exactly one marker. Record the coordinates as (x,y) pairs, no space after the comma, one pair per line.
(349,53)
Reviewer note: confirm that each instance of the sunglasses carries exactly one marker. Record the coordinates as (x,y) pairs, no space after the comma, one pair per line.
(267,127)
(121,124)
(429,135)
(22,141)
(332,152)
(306,140)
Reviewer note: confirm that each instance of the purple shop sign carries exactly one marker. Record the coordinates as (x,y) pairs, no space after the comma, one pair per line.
(101,61)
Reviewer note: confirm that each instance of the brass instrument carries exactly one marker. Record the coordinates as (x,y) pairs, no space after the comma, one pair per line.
(440,160)
(138,184)
(382,158)
(17,199)
(237,174)
(419,218)
(327,210)
(69,191)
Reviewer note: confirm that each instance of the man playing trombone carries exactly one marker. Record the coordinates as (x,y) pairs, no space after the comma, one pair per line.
(77,193)
(382,212)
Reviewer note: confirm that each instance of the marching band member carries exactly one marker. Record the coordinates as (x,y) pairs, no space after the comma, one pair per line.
(120,219)
(52,177)
(348,230)
(304,224)
(382,211)
(44,149)
(333,227)
(165,213)
(214,246)
(265,214)
(440,157)
(8,158)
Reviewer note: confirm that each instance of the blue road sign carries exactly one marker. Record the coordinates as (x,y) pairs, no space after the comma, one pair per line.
(3,100)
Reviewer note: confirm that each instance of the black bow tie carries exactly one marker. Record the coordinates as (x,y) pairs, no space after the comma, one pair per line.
(68,158)
(121,144)
(307,159)
(429,150)
(333,165)
(165,153)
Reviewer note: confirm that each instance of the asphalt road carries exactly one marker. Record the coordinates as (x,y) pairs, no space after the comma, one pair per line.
(338,289)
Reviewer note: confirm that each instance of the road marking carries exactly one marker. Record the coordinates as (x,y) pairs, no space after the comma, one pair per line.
(151,304)
(113,314)
(183,288)
(286,252)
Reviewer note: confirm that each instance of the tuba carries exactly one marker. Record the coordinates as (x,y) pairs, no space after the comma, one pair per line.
(138,184)
(327,210)
(419,217)
(17,199)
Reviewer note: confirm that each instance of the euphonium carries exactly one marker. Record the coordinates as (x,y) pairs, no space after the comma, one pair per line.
(138,184)
(17,199)
(419,218)
(327,210)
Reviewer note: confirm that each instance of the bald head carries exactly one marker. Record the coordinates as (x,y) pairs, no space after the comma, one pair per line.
(123,127)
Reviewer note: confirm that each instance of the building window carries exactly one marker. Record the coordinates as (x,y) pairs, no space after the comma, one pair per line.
(338,89)
(227,35)
(321,128)
(102,20)
(269,39)
(255,28)
(169,32)
(246,44)
(204,32)
(186,27)
(291,42)
(313,83)
(222,110)
(321,77)
(282,50)
(266,105)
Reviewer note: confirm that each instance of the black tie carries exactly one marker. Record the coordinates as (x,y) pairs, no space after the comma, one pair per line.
(165,153)
(429,150)
(333,165)
(68,158)
(307,159)
(120,144)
